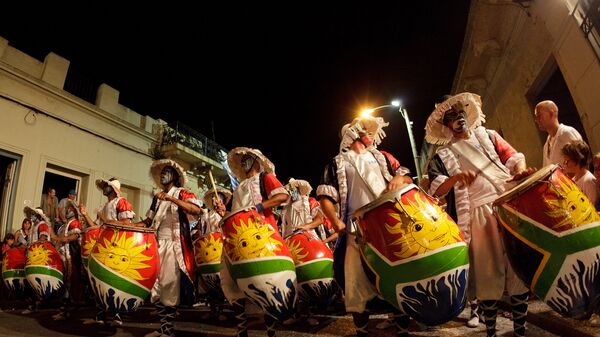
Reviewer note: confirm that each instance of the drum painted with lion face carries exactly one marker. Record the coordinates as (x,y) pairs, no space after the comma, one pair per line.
(13,271)
(44,269)
(314,267)
(260,262)
(123,267)
(88,240)
(417,254)
(552,237)
(207,254)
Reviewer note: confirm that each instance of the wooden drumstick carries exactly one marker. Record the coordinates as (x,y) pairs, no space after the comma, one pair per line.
(212,181)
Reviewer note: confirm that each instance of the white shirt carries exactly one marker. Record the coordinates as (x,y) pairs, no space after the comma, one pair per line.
(360,168)
(552,148)
(587,185)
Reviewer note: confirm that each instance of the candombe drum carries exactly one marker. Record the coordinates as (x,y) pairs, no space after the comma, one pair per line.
(207,253)
(123,267)
(260,263)
(552,237)
(13,271)
(88,240)
(314,267)
(417,254)
(44,269)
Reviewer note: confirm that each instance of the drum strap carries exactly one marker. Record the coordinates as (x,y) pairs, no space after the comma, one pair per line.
(488,168)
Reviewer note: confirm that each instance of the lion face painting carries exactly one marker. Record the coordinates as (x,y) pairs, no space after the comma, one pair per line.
(251,240)
(209,250)
(423,227)
(571,205)
(38,255)
(122,255)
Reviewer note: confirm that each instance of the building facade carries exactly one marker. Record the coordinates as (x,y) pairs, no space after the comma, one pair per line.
(517,53)
(51,138)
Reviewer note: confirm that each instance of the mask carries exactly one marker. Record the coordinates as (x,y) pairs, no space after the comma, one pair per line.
(34,218)
(367,140)
(295,195)
(166,176)
(247,162)
(107,190)
(70,214)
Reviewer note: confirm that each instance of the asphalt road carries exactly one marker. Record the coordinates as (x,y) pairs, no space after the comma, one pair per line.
(194,322)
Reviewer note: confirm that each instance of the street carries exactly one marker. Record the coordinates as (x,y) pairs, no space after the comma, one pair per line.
(194,322)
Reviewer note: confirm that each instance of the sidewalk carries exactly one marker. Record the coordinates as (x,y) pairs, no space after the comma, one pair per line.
(543,316)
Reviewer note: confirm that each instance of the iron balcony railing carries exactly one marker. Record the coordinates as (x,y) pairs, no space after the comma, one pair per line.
(185,135)
(589,14)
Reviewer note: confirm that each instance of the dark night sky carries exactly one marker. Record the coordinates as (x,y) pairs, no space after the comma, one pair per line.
(281,79)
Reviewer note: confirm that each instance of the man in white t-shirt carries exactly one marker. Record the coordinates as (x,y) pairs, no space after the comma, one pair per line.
(546,117)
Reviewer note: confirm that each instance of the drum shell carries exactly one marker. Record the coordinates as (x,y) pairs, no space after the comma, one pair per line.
(259,262)
(409,244)
(13,271)
(552,239)
(44,269)
(123,267)
(314,267)
(208,250)
(88,240)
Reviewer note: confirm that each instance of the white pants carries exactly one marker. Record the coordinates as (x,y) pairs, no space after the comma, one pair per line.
(230,289)
(359,289)
(166,288)
(489,265)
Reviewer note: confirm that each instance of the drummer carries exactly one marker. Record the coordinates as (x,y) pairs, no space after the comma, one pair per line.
(217,206)
(471,169)
(116,211)
(168,214)
(40,231)
(258,187)
(69,245)
(356,177)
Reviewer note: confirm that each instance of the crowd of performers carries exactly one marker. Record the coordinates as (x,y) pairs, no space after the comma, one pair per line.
(369,237)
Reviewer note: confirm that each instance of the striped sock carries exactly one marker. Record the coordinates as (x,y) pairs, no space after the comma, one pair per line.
(490,310)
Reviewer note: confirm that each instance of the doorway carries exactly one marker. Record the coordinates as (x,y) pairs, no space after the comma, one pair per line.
(555,89)
(9,167)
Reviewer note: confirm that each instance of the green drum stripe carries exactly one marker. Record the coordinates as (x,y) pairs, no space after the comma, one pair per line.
(116,281)
(418,269)
(314,271)
(14,273)
(254,268)
(43,271)
(560,246)
(209,268)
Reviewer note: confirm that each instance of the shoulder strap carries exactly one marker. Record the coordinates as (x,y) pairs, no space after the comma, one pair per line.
(261,183)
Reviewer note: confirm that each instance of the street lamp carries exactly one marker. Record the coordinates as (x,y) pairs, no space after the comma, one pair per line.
(409,123)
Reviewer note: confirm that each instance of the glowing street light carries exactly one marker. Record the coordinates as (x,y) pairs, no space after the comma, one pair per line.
(409,123)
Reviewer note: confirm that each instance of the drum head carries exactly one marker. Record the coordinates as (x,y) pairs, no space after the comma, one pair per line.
(233,213)
(391,196)
(526,184)
(296,231)
(129,228)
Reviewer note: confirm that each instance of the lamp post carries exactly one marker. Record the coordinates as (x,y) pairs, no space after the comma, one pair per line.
(404,114)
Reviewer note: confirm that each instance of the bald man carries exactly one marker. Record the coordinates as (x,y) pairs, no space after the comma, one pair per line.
(546,117)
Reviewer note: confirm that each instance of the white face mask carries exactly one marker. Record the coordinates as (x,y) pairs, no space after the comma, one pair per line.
(70,214)
(166,175)
(295,195)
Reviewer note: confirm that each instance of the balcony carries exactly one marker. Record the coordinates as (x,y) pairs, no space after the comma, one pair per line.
(196,152)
